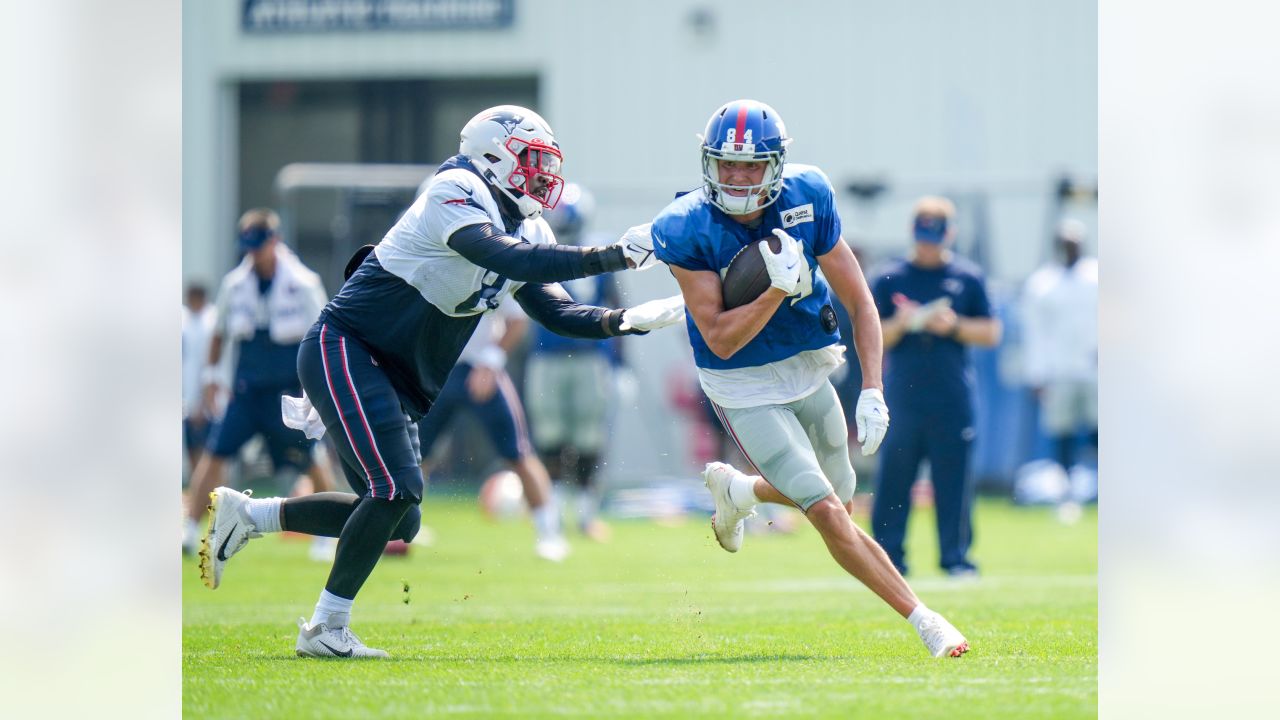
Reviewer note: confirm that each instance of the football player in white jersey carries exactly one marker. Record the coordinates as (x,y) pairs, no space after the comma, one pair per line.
(382,349)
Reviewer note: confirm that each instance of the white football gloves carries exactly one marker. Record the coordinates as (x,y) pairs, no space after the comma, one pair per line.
(783,267)
(872,418)
(653,314)
(637,245)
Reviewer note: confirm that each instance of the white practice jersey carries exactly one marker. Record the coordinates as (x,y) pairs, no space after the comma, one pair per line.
(416,251)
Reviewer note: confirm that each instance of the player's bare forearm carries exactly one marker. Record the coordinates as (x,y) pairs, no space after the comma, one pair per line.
(725,331)
(843,273)
(869,341)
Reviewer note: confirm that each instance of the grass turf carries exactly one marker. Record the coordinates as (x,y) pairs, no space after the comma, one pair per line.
(658,623)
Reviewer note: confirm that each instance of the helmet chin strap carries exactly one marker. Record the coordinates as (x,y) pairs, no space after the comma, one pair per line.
(529,207)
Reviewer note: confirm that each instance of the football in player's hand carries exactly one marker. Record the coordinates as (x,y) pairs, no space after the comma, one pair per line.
(746,277)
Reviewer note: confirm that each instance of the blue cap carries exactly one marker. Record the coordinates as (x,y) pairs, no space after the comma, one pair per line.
(930,229)
(253,238)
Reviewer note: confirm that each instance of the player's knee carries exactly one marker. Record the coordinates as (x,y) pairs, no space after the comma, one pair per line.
(828,512)
(409,524)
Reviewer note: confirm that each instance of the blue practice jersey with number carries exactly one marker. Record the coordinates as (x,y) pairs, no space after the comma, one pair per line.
(693,234)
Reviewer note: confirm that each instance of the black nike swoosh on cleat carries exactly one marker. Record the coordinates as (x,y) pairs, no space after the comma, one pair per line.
(222,550)
(335,652)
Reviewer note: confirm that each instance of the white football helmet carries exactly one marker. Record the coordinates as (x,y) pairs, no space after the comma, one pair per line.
(515,151)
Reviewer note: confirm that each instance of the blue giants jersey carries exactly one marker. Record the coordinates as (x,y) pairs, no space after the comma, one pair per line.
(691,233)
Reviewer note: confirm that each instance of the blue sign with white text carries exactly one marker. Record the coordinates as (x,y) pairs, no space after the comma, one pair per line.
(268,16)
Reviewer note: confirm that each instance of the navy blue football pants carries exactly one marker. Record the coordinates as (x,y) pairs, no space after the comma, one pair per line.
(943,435)
(375,440)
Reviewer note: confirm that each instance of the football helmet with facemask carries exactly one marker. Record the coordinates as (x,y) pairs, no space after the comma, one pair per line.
(516,152)
(744,131)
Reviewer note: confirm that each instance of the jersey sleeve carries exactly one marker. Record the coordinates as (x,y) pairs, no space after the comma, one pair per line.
(452,202)
(826,230)
(978,304)
(221,307)
(676,242)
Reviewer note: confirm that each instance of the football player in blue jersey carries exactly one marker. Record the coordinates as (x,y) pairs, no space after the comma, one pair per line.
(380,352)
(765,365)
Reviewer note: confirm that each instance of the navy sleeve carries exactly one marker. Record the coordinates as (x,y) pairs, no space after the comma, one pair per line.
(979,304)
(493,249)
(550,306)
(675,246)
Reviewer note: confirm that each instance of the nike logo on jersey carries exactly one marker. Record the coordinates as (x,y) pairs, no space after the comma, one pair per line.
(659,241)
(339,653)
(222,550)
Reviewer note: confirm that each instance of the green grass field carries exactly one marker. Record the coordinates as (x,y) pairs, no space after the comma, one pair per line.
(659,623)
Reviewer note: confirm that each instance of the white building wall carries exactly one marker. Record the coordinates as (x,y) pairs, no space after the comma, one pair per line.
(931,95)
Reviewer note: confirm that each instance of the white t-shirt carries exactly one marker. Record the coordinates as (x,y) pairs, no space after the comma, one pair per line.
(775,383)
(1060,307)
(197,331)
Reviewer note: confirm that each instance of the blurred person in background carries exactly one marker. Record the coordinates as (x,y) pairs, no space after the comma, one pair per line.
(933,305)
(198,318)
(375,361)
(480,384)
(264,307)
(1060,312)
(765,365)
(568,381)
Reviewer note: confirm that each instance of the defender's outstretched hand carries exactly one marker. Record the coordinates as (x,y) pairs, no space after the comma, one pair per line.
(637,245)
(872,417)
(784,266)
(653,314)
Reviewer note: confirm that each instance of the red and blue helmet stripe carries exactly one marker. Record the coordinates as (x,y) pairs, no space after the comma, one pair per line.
(744,130)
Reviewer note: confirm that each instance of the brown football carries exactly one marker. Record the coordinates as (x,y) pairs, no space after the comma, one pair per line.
(746,277)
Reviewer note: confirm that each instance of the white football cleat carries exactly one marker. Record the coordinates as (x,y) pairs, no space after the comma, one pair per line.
(229,530)
(727,522)
(941,637)
(555,549)
(333,639)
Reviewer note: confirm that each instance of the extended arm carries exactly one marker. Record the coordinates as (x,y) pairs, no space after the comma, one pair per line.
(843,273)
(492,249)
(725,331)
(552,308)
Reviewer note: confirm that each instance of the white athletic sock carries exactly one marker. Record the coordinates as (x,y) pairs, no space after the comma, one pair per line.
(918,615)
(328,605)
(190,531)
(546,519)
(742,488)
(265,514)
